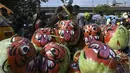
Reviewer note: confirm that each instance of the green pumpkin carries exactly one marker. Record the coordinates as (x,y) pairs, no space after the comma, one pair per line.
(90,66)
(121,36)
(3,54)
(65,63)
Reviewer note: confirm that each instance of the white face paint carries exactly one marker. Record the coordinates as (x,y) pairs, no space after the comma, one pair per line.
(68,2)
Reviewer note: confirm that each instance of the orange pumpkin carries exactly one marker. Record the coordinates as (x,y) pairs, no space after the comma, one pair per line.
(67,32)
(97,57)
(54,58)
(20,54)
(41,37)
(92,32)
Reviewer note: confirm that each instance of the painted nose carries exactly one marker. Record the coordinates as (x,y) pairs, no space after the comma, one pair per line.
(67,36)
(43,41)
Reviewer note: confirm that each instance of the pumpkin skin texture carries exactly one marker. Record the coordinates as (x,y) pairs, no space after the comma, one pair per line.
(41,37)
(54,58)
(21,52)
(117,37)
(4,44)
(92,32)
(97,58)
(67,32)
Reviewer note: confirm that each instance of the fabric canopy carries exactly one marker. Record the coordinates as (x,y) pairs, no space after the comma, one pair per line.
(8,10)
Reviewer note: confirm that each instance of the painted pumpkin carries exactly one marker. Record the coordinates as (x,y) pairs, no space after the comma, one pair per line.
(41,37)
(92,32)
(54,58)
(67,32)
(117,37)
(20,53)
(97,58)
(4,53)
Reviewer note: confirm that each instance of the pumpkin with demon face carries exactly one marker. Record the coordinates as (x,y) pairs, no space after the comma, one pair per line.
(67,32)
(54,58)
(3,53)
(97,58)
(92,32)
(41,37)
(20,55)
(117,37)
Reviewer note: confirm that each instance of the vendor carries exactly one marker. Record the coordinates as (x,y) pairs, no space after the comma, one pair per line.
(62,12)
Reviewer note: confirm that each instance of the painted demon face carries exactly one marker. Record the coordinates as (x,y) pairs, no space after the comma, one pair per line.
(97,57)
(116,37)
(68,32)
(92,32)
(41,37)
(20,53)
(54,58)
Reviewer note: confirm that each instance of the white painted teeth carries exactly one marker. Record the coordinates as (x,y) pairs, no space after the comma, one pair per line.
(44,36)
(72,32)
(48,53)
(61,33)
(94,45)
(112,54)
(49,38)
(96,37)
(31,65)
(50,63)
(67,31)
(43,60)
(86,40)
(95,50)
(61,37)
(91,37)
(36,36)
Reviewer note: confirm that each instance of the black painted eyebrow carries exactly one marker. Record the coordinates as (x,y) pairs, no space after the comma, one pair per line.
(122,29)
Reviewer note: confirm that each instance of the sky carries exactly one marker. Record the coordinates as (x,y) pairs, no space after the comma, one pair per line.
(83,3)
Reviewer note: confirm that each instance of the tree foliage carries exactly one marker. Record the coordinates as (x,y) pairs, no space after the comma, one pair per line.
(106,9)
(23,6)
